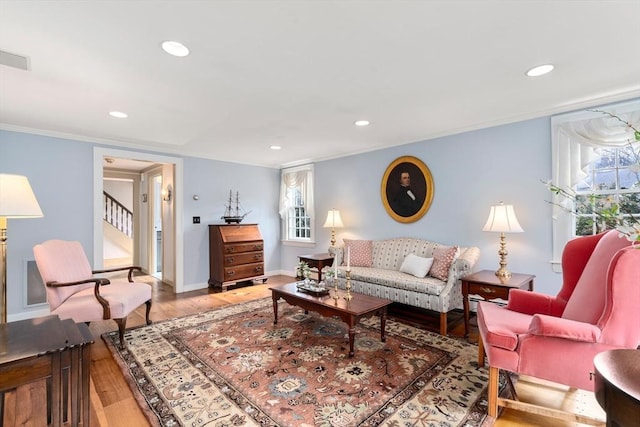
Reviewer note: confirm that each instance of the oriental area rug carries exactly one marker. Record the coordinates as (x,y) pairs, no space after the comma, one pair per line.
(233,367)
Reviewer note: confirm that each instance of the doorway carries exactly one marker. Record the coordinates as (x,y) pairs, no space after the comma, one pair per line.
(156,226)
(172,249)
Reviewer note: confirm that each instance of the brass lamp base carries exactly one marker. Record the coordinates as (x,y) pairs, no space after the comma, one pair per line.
(503,273)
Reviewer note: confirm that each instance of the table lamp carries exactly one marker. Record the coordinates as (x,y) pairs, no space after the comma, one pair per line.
(502,219)
(334,221)
(16,201)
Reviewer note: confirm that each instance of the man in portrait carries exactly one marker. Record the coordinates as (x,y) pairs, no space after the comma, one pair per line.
(406,202)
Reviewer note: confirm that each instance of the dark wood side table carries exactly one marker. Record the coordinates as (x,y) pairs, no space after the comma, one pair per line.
(52,352)
(317,261)
(617,386)
(486,284)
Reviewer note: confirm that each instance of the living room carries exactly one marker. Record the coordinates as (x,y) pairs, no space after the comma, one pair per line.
(474,165)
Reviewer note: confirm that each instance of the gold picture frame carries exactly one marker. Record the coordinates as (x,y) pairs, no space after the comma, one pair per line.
(407,203)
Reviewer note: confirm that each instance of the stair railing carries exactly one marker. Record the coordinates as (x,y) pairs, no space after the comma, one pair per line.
(117,215)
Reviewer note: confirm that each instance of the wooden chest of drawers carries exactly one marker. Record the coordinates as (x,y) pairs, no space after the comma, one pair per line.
(236,254)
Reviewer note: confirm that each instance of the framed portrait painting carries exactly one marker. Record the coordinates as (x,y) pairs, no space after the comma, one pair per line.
(407,189)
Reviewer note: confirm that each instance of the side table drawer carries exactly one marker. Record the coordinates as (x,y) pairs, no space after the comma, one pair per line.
(489,292)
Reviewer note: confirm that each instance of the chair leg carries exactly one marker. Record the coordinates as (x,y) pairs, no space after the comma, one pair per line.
(480,352)
(148,303)
(122,324)
(443,324)
(492,409)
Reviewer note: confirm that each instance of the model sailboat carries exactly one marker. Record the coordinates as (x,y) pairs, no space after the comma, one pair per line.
(234,213)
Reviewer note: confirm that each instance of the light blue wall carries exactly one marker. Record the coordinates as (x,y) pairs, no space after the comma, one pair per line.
(61,172)
(211,180)
(471,171)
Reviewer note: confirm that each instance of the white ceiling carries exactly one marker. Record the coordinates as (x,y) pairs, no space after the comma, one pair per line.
(299,73)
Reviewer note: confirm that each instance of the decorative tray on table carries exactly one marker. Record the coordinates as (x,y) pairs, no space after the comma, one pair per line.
(312,288)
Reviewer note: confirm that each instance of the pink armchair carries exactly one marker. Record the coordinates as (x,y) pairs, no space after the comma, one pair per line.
(556,337)
(73,292)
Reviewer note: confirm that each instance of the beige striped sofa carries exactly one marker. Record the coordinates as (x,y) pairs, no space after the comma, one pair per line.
(383,279)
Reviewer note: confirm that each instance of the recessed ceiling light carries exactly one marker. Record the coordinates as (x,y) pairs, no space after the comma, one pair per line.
(361,123)
(175,48)
(275,147)
(540,70)
(118,114)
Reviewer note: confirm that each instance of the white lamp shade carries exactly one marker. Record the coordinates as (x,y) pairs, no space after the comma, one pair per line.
(16,198)
(333,219)
(502,219)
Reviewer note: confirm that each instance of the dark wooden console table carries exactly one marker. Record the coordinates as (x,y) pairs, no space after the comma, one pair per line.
(53,355)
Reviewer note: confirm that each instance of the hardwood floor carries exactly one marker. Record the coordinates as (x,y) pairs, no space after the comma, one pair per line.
(113,403)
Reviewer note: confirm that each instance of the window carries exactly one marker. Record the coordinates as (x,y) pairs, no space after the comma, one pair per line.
(592,156)
(610,178)
(296,204)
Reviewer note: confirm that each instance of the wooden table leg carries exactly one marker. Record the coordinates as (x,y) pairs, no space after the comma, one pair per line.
(275,309)
(56,388)
(465,305)
(352,338)
(383,324)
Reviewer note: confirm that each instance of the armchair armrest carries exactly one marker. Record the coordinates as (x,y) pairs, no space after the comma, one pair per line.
(558,327)
(131,269)
(99,281)
(531,303)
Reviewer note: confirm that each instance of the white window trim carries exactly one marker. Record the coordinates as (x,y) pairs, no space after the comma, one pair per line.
(570,154)
(292,177)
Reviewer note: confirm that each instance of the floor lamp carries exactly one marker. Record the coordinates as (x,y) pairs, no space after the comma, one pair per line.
(16,201)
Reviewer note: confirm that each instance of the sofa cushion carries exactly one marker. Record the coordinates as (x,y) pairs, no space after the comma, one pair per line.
(390,254)
(416,266)
(397,280)
(443,257)
(359,251)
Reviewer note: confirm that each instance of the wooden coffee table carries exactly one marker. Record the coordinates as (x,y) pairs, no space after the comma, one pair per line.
(349,312)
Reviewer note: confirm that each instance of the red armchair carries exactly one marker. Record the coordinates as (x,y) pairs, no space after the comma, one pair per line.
(556,337)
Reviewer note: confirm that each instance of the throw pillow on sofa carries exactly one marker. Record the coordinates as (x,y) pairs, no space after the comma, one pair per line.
(443,257)
(360,252)
(416,266)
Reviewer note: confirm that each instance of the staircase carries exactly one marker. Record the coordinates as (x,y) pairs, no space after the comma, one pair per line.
(117,233)
(117,215)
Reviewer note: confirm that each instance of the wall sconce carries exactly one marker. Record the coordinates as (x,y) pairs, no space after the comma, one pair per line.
(166,193)
(502,219)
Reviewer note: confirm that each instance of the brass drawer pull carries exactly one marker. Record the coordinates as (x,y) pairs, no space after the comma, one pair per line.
(488,290)
(230,259)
